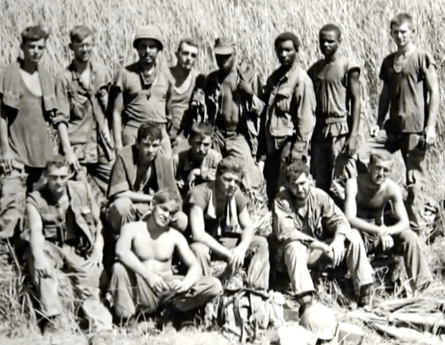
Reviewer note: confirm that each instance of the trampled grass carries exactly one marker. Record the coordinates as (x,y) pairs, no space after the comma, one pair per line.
(254,24)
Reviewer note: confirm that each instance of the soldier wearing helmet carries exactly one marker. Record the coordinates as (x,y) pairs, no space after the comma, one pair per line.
(141,91)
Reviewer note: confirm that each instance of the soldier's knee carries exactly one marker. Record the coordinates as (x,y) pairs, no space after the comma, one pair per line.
(354,238)
(123,206)
(295,248)
(409,237)
(215,288)
(119,271)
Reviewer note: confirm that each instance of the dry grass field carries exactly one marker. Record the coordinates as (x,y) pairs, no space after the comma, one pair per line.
(254,24)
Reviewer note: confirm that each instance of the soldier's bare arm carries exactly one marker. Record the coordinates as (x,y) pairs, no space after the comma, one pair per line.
(351,210)
(399,210)
(194,272)
(354,91)
(199,234)
(118,107)
(37,240)
(432,85)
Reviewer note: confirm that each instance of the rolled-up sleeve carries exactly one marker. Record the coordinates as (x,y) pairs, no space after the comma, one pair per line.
(333,218)
(63,101)
(284,225)
(304,113)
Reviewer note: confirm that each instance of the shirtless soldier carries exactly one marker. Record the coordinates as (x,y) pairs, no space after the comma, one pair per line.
(143,278)
(367,196)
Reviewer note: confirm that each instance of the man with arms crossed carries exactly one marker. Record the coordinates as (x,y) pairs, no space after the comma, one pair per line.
(143,279)
(411,94)
(367,197)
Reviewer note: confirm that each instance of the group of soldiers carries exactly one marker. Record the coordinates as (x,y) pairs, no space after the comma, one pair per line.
(181,156)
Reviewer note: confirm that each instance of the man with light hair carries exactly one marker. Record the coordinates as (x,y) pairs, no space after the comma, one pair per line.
(141,91)
(368,196)
(143,279)
(411,94)
(82,100)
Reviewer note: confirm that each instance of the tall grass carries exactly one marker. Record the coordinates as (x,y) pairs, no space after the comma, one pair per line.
(253,24)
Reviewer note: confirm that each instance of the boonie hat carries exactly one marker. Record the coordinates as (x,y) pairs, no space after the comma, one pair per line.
(148,32)
(224,46)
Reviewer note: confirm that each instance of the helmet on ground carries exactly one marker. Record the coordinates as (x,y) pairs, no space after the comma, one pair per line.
(320,320)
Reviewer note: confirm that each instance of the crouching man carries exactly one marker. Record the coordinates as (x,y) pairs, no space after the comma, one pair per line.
(143,279)
(313,230)
(66,233)
(140,170)
(219,214)
(197,164)
(367,198)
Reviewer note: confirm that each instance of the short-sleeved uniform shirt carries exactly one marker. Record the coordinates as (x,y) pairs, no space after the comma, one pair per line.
(408,110)
(144,99)
(330,81)
(201,196)
(82,108)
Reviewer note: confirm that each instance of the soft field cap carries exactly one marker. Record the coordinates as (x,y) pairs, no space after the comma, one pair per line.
(320,321)
(148,32)
(224,46)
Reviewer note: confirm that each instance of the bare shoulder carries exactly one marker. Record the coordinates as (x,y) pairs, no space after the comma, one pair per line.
(132,229)
(392,189)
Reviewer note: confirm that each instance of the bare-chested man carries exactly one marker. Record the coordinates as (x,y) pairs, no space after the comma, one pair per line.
(367,196)
(411,94)
(143,279)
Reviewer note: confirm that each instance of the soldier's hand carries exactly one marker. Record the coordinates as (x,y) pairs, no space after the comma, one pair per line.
(177,286)
(95,259)
(72,160)
(352,145)
(156,283)
(237,259)
(374,130)
(338,251)
(430,135)
(387,242)
(7,160)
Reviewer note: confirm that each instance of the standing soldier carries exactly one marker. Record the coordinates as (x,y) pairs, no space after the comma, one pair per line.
(290,100)
(336,82)
(233,108)
(82,95)
(185,78)
(27,100)
(142,91)
(411,94)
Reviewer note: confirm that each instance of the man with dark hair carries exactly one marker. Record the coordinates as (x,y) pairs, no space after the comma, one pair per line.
(313,231)
(233,108)
(82,96)
(185,79)
(143,279)
(27,102)
(197,164)
(142,91)
(336,82)
(218,214)
(367,197)
(139,171)
(411,94)
(289,118)
(66,234)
